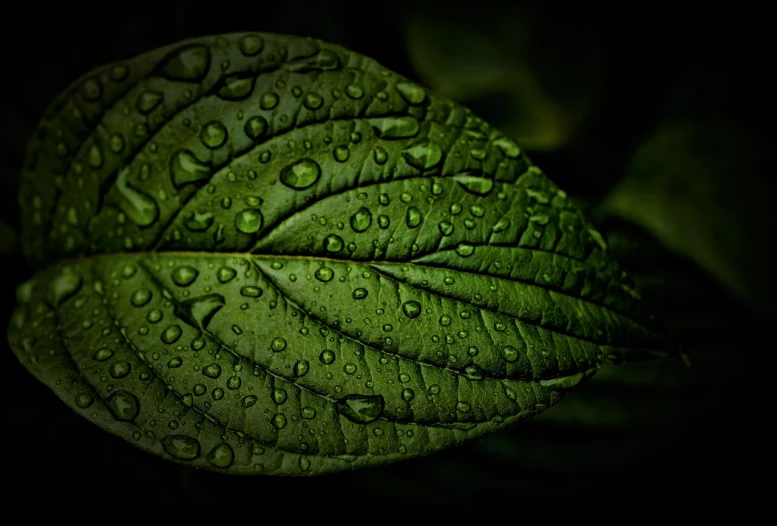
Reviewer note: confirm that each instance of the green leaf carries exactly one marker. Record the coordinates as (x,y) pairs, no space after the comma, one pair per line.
(268,254)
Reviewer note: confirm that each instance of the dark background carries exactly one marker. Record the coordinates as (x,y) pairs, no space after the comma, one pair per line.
(643,437)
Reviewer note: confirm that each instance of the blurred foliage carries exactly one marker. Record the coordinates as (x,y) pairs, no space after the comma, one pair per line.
(700,185)
(525,70)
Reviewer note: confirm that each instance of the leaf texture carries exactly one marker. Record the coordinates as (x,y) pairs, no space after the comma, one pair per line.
(268,254)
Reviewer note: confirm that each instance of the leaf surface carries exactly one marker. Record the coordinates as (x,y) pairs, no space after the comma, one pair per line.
(268,254)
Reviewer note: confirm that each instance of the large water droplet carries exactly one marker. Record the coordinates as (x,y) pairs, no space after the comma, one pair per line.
(324,274)
(198,312)
(424,155)
(359,294)
(119,369)
(324,60)
(413,217)
(186,169)
(64,285)
(412,93)
(123,406)
(212,371)
(361,220)
(333,243)
(508,147)
(171,334)
(184,275)
(255,127)
(249,221)
(251,45)
(510,353)
(361,409)
(237,87)
(148,100)
(188,63)
(226,274)
(301,174)
(198,221)
(473,183)
(327,357)
(139,207)
(221,456)
(213,134)
(182,447)
(412,309)
(473,372)
(395,127)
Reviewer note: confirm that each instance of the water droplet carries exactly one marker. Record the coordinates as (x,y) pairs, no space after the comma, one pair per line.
(412,309)
(212,371)
(236,87)
(225,274)
(408,395)
(188,63)
(508,147)
(324,60)
(424,155)
(251,291)
(251,45)
(175,363)
(66,283)
(434,389)
(268,100)
(301,174)
(324,274)
(463,407)
(473,372)
(102,354)
(184,275)
(327,357)
(218,393)
(477,210)
(539,219)
(181,447)
(255,127)
(359,294)
(474,184)
(119,369)
(221,456)
(465,250)
(123,406)
(198,312)
(380,155)
(446,228)
(279,396)
(313,101)
(214,134)
(361,409)
(333,243)
(395,127)
(510,353)
(171,334)
(148,100)
(198,221)
(91,89)
(349,368)
(341,153)
(501,225)
(301,368)
(95,157)
(185,169)
(412,93)
(249,221)
(413,218)
(538,195)
(84,400)
(278,344)
(307,412)
(249,400)
(279,421)
(361,219)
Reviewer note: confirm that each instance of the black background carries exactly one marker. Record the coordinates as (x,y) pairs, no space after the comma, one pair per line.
(693,449)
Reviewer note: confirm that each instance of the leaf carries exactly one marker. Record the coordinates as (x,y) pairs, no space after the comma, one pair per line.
(268,254)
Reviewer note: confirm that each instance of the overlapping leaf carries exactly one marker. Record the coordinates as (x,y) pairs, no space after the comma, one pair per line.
(268,254)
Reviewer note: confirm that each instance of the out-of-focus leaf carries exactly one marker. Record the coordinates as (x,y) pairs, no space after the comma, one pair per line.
(527,70)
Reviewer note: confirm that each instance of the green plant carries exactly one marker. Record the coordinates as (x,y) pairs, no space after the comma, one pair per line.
(268,254)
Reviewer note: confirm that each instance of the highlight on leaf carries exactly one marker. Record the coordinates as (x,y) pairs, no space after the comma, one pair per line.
(269,254)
